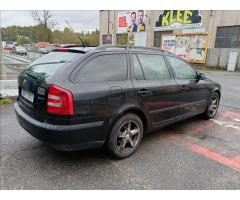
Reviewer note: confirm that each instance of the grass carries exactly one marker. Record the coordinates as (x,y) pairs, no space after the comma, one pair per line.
(6,101)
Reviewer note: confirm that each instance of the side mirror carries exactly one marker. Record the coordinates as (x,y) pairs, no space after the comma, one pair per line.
(201,76)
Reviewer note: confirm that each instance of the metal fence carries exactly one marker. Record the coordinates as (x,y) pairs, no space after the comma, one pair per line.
(218,57)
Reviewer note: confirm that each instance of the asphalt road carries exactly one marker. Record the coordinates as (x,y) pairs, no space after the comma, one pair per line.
(193,154)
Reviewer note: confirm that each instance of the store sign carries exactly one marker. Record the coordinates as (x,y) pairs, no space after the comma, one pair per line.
(168,43)
(174,19)
(131,21)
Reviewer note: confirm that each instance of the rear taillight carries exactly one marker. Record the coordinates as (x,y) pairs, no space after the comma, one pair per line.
(60,101)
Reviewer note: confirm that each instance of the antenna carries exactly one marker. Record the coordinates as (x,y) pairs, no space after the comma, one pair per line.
(75,34)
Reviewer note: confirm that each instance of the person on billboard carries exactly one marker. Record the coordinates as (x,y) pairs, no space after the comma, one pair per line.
(133,27)
(141,25)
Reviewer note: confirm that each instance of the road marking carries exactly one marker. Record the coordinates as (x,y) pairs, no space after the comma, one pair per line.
(233,163)
(227,124)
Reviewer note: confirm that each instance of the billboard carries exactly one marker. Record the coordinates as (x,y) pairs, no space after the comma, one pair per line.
(174,19)
(191,47)
(131,21)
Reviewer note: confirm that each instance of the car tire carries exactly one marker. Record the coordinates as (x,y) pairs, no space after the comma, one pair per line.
(212,107)
(125,136)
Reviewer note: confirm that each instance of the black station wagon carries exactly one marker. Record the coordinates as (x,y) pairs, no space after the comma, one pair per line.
(77,98)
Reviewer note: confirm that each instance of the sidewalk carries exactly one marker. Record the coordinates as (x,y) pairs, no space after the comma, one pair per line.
(17,58)
(8,88)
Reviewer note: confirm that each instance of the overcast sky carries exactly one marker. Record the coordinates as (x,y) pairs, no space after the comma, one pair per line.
(80,20)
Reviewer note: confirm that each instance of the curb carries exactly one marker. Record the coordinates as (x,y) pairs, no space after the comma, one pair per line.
(16,58)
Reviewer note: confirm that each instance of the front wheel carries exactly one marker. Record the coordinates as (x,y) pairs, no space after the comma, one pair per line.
(125,136)
(213,105)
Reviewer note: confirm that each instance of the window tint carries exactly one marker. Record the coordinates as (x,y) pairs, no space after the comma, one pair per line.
(46,66)
(154,67)
(182,69)
(137,69)
(105,68)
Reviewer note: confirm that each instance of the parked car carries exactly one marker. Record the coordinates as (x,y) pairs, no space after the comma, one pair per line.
(77,98)
(19,50)
(43,50)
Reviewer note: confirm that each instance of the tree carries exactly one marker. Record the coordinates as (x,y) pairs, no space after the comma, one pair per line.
(23,40)
(45,22)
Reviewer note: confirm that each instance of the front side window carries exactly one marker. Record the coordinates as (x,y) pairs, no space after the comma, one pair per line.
(112,67)
(154,67)
(182,69)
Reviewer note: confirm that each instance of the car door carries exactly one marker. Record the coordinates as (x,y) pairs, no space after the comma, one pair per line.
(191,98)
(102,85)
(155,87)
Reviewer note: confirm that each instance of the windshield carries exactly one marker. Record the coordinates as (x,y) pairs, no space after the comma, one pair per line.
(46,66)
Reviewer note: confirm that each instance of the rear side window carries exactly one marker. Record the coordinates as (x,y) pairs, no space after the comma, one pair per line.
(46,66)
(111,67)
(154,67)
(137,69)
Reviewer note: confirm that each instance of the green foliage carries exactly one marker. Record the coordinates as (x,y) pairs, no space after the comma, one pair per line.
(6,101)
(122,40)
(23,40)
(40,33)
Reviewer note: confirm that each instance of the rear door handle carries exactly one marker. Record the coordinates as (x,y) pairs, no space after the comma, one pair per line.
(144,92)
(184,87)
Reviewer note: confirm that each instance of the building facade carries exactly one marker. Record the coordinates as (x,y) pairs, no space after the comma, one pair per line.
(174,30)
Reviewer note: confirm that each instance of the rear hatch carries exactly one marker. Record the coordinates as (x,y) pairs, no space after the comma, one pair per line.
(35,80)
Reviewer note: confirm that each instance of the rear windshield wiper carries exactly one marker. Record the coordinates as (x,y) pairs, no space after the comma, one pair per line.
(37,77)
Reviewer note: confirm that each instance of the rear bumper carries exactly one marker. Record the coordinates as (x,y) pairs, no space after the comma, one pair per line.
(63,137)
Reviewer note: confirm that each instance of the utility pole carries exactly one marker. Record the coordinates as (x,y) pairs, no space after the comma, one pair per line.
(2,66)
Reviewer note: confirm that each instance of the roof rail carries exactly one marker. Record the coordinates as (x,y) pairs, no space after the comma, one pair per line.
(129,47)
(107,46)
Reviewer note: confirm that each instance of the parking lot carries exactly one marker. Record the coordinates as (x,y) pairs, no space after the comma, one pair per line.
(192,154)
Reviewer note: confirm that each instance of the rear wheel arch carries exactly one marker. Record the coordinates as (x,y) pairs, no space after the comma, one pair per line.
(133,110)
(218,92)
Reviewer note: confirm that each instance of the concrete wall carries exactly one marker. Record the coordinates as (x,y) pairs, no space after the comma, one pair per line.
(218,57)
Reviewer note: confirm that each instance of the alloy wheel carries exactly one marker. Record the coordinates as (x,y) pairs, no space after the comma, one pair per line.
(128,137)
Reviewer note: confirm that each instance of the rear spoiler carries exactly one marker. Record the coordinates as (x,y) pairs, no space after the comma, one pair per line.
(68,50)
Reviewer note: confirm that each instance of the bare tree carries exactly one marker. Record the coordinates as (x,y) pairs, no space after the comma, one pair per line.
(44,18)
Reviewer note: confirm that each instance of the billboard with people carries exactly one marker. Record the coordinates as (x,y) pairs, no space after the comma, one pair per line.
(131,21)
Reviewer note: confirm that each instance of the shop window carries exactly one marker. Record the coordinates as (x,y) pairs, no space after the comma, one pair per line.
(122,39)
(107,39)
(228,37)
(157,37)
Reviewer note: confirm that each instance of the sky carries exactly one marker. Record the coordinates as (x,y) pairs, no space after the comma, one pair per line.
(79,20)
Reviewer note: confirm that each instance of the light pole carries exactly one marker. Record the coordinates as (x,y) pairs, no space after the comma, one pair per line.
(2,66)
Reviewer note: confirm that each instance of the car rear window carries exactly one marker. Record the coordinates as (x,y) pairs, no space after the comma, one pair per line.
(47,65)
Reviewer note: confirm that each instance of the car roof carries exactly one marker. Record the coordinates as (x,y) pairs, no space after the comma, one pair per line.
(111,48)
